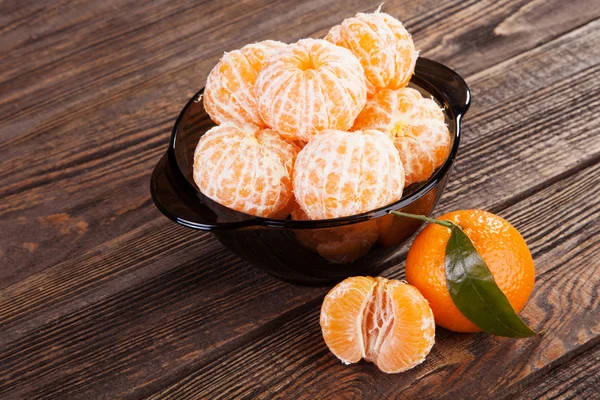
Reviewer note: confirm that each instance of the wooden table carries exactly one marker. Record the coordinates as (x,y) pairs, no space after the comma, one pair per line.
(103,297)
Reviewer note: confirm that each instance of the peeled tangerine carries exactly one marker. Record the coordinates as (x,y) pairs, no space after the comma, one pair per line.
(416,126)
(340,244)
(386,322)
(229,92)
(383,46)
(247,169)
(310,86)
(346,173)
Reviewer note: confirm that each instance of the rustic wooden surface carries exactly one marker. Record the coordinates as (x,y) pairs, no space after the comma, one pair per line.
(102,297)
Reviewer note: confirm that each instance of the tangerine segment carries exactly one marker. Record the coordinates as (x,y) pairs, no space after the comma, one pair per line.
(386,322)
(342,315)
(229,92)
(416,125)
(247,169)
(346,173)
(310,86)
(338,245)
(502,248)
(383,46)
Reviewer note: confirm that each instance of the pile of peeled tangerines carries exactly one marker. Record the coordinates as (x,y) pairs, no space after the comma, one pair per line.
(328,128)
(325,126)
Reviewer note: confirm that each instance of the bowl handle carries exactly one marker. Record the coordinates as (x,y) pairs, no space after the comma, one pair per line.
(169,192)
(452,85)
(179,201)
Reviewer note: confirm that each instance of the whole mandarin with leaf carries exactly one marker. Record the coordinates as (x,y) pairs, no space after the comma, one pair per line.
(246,168)
(500,245)
(229,92)
(387,322)
(383,46)
(346,173)
(415,124)
(311,86)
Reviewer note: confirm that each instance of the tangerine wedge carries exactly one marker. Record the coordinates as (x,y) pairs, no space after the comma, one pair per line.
(386,322)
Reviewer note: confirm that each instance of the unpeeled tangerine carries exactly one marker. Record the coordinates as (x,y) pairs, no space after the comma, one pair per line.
(346,173)
(247,169)
(229,93)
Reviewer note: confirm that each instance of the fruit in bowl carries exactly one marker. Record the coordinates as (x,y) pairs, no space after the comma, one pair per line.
(415,124)
(246,168)
(313,94)
(310,86)
(346,173)
(337,245)
(229,91)
(311,125)
(382,44)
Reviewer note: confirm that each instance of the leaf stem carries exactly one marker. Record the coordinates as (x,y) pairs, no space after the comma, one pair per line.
(447,224)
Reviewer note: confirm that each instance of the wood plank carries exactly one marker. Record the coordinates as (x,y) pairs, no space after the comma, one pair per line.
(142,353)
(583,85)
(92,28)
(578,378)
(500,28)
(84,121)
(293,361)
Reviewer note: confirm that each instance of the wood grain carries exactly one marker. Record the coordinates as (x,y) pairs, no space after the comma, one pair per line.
(104,297)
(181,343)
(83,125)
(564,304)
(578,378)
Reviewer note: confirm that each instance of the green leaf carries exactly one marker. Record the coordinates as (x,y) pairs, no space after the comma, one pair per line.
(475,292)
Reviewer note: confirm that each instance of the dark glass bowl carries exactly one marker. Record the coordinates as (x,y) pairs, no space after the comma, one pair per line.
(308,252)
